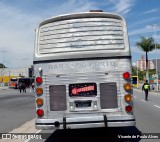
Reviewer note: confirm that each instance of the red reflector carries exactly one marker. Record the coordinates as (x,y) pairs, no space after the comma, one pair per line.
(40,112)
(128,108)
(39,80)
(126,75)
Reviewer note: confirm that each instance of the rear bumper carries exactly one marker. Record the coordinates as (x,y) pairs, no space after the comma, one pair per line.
(86,122)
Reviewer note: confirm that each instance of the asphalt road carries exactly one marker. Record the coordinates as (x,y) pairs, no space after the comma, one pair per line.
(15,109)
(147,112)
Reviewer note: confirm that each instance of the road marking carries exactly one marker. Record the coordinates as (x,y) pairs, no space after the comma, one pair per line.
(12,100)
(143,100)
(157,106)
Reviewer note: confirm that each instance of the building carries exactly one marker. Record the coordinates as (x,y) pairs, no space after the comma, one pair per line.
(7,73)
(158,65)
(141,64)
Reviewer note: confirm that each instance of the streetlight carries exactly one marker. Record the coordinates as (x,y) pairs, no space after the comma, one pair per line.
(155,27)
(137,74)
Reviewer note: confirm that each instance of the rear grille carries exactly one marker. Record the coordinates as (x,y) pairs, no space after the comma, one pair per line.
(108,95)
(57,97)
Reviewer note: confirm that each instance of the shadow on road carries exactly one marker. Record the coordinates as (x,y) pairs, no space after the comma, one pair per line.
(97,134)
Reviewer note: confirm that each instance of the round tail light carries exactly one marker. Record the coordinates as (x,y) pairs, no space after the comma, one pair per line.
(39,80)
(128,108)
(39,102)
(39,91)
(126,75)
(127,86)
(127,98)
(40,112)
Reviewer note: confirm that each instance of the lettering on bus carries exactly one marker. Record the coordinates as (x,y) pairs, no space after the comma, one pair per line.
(91,65)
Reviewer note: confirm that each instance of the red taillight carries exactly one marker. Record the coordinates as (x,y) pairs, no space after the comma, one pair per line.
(128,108)
(40,112)
(126,75)
(39,80)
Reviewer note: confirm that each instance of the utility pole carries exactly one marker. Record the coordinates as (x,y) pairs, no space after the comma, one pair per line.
(137,75)
(2,73)
(155,27)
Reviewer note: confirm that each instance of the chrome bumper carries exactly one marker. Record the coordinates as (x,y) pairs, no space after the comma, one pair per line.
(86,122)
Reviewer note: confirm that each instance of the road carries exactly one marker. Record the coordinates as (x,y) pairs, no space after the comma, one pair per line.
(15,109)
(20,108)
(147,112)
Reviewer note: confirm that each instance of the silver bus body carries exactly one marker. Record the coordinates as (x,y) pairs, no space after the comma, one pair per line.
(81,58)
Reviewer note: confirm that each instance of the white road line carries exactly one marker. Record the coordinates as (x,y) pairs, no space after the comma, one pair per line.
(38,131)
(157,106)
(12,100)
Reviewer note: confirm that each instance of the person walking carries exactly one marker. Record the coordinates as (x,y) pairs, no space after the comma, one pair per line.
(24,87)
(20,87)
(146,88)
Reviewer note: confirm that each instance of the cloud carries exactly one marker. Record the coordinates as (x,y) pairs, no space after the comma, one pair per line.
(138,32)
(150,11)
(122,6)
(142,21)
(18,25)
(17,34)
(136,50)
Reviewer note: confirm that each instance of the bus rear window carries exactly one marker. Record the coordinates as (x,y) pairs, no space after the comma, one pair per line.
(81,34)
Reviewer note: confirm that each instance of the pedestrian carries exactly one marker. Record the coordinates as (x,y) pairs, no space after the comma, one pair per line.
(146,88)
(152,87)
(20,87)
(24,87)
(33,88)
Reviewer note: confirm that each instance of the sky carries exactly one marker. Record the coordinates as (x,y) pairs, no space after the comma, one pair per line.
(20,18)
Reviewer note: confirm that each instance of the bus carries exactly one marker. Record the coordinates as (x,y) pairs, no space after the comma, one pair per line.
(82,69)
(14,82)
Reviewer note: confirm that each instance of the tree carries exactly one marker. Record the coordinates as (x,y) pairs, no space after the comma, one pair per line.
(146,45)
(2,66)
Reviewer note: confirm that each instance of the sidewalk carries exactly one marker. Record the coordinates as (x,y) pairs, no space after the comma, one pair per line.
(4,88)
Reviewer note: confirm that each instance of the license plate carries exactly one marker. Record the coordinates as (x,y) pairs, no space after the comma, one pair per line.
(83,89)
(82,104)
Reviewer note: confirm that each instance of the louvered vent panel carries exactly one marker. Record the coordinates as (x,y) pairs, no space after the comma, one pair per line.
(108,95)
(57,97)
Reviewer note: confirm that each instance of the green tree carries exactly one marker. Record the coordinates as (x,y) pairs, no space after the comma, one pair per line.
(1,65)
(146,45)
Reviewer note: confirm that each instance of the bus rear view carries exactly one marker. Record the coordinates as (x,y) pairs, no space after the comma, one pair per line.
(82,65)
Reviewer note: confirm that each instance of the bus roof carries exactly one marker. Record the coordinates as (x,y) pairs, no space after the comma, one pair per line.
(82,15)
